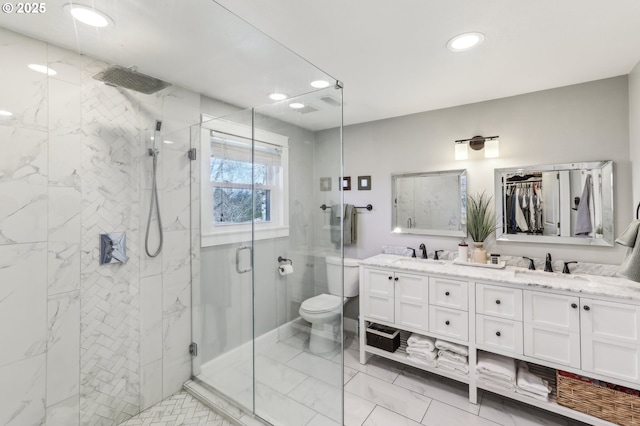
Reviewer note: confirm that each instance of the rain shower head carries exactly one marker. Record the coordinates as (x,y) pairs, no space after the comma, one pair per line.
(130,79)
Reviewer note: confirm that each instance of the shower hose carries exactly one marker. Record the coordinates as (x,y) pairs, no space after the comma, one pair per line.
(154,202)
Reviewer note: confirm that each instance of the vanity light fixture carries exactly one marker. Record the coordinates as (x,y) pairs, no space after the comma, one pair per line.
(275,96)
(491,145)
(296,105)
(465,41)
(320,84)
(43,69)
(88,15)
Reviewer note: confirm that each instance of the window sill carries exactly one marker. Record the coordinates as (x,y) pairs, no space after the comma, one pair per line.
(238,236)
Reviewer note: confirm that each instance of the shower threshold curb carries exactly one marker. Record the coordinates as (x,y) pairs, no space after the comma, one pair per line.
(234,414)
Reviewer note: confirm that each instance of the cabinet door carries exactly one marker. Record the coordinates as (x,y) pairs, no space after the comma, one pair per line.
(411,301)
(378,294)
(449,293)
(610,333)
(499,333)
(503,302)
(552,327)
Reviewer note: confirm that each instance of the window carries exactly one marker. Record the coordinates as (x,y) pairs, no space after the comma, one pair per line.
(236,190)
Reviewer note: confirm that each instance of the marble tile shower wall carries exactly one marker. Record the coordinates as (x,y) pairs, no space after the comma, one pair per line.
(83,343)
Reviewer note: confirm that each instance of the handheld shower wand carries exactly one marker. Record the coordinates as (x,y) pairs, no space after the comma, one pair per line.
(153,152)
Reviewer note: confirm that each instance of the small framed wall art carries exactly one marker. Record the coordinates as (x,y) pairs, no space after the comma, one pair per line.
(346,183)
(364,183)
(325,184)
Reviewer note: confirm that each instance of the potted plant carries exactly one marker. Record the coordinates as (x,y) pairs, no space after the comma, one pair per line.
(481,222)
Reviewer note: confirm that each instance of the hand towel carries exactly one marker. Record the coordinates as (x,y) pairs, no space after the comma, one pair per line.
(335,223)
(446,368)
(421,353)
(529,382)
(417,340)
(584,227)
(422,361)
(350,225)
(447,363)
(453,357)
(630,267)
(452,347)
(544,398)
(496,366)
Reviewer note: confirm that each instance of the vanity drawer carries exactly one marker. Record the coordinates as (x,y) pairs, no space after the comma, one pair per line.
(499,333)
(500,302)
(449,322)
(449,293)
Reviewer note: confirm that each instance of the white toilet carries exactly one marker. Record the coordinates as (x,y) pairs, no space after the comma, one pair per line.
(323,311)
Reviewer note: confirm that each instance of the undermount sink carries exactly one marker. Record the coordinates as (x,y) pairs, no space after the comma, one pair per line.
(550,276)
(414,261)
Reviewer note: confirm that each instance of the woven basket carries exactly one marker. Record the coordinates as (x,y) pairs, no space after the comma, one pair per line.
(607,404)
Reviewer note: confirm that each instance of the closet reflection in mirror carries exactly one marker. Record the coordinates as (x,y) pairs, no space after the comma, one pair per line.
(561,203)
(430,203)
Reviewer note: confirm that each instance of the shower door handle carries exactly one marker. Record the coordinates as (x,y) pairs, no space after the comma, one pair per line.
(238,250)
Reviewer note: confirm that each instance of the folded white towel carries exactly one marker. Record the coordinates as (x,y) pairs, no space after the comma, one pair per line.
(529,382)
(539,397)
(422,361)
(452,347)
(419,340)
(445,367)
(445,362)
(496,365)
(421,353)
(495,382)
(453,357)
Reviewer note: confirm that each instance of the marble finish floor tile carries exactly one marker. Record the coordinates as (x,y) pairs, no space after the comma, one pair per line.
(441,414)
(179,409)
(395,398)
(381,368)
(320,368)
(383,417)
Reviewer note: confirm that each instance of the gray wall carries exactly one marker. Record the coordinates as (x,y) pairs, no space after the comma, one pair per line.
(583,122)
(634,131)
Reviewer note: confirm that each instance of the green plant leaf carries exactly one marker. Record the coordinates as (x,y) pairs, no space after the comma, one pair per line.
(481,221)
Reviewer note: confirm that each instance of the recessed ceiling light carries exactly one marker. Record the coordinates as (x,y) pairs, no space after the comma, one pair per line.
(465,41)
(88,15)
(4,113)
(277,96)
(296,105)
(320,84)
(42,69)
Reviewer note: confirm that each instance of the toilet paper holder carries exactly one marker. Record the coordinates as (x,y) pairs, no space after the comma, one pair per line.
(282,259)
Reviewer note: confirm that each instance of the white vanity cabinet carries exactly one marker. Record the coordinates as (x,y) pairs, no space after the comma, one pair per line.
(448,308)
(499,318)
(610,336)
(396,298)
(552,327)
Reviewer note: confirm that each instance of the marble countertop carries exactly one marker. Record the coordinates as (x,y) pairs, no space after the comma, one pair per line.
(596,285)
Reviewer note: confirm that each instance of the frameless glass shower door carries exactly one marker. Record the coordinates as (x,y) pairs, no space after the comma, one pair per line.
(264,242)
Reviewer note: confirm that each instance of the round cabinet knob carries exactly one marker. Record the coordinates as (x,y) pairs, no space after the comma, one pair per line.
(390,278)
(446,322)
(498,302)
(396,278)
(573,305)
(586,307)
(446,293)
(498,333)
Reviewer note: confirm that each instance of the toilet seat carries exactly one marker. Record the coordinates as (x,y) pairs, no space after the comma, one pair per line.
(322,303)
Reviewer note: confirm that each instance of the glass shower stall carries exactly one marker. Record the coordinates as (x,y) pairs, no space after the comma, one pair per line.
(261,250)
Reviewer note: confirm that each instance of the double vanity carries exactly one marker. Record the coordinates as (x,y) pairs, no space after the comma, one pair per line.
(583,324)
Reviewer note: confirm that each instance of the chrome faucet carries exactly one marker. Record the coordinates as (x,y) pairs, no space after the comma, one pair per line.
(547,264)
(424,250)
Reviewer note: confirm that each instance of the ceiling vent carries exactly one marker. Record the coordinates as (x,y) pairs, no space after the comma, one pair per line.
(329,100)
(306,110)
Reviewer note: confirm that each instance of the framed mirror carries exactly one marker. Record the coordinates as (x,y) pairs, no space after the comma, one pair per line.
(558,204)
(430,203)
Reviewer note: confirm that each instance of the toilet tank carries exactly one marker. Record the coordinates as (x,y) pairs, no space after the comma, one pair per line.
(351,276)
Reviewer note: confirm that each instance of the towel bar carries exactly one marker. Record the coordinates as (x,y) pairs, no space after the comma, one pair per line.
(369,207)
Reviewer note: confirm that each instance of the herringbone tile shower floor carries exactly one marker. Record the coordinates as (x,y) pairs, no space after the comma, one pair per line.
(179,409)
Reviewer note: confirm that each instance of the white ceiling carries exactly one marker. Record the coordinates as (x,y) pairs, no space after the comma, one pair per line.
(391,56)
